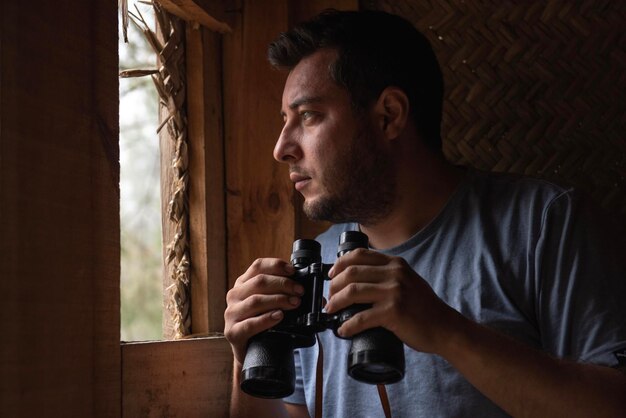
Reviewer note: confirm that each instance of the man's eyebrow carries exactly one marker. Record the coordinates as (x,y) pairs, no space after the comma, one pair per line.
(303,101)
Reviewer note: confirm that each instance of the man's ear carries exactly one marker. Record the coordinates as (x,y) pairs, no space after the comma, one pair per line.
(392,112)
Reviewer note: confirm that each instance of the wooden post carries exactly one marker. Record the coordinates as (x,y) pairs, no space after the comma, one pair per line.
(207,219)
(59,210)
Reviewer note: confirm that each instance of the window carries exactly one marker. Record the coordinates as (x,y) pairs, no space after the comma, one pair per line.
(140,203)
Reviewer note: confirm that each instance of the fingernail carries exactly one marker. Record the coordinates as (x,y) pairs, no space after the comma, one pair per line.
(299,289)
(331,272)
(341,331)
(289,269)
(294,300)
(276,315)
(328,307)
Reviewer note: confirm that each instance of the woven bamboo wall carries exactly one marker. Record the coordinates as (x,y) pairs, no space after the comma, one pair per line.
(532,87)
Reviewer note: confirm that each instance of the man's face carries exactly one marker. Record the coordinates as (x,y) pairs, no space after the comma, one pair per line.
(337,160)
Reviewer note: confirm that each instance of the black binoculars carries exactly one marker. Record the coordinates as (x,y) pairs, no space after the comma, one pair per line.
(376,355)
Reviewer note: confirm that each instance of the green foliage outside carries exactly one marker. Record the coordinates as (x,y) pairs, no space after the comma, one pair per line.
(140,204)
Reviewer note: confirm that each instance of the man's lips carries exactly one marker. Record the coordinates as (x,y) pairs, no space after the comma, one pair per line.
(299,180)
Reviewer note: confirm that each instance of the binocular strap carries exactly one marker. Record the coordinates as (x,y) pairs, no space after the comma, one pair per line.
(319,376)
(319,385)
(384,400)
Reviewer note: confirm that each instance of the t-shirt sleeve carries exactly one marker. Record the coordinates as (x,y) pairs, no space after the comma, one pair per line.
(581,285)
(298,395)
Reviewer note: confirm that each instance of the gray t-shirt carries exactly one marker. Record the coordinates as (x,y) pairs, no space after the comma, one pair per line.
(515,254)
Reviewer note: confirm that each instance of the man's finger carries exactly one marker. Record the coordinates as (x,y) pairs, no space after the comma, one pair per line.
(354,293)
(244,330)
(369,318)
(360,256)
(271,266)
(259,304)
(357,274)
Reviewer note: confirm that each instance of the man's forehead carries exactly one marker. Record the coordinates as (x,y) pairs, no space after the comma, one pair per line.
(310,80)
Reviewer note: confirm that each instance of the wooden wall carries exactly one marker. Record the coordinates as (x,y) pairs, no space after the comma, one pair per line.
(59,212)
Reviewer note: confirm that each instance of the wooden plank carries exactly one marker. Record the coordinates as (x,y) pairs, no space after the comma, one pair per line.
(184,378)
(59,210)
(260,213)
(207,221)
(168,229)
(221,10)
(192,12)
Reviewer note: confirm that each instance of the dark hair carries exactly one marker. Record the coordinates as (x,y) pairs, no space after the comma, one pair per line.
(375,50)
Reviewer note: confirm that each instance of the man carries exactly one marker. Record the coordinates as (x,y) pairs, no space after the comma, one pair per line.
(498,287)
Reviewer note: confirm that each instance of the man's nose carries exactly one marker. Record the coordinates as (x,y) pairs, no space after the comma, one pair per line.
(287,149)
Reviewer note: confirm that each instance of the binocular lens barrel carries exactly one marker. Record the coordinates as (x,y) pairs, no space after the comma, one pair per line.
(268,370)
(351,240)
(376,357)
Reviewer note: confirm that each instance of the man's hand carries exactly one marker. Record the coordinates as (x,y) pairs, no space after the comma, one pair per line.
(257,300)
(401,300)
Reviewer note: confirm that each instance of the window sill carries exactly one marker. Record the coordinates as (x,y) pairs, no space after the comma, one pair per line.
(189,377)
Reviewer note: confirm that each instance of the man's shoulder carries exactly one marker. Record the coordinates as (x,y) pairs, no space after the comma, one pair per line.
(520,181)
(510,188)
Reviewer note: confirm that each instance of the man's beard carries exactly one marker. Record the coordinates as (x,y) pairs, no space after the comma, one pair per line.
(361,188)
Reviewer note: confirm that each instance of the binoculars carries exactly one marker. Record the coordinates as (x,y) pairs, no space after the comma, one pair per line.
(376,355)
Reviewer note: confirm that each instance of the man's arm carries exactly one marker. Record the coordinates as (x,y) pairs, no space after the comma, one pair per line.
(243,405)
(526,382)
(521,380)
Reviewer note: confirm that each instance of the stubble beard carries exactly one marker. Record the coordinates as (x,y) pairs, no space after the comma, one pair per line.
(360,187)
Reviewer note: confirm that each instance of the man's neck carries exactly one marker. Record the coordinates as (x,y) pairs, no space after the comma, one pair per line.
(423,191)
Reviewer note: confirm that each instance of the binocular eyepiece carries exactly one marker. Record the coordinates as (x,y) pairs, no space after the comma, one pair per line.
(376,355)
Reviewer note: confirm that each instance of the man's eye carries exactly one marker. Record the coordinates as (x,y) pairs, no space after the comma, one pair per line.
(306,115)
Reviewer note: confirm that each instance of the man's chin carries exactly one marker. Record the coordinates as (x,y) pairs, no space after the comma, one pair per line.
(323,210)
(314,210)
